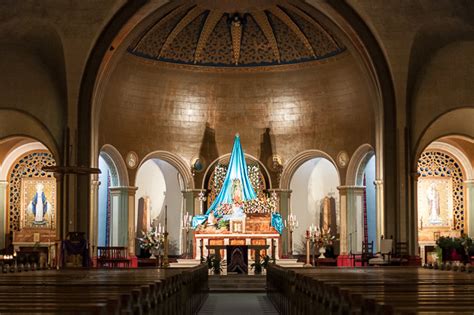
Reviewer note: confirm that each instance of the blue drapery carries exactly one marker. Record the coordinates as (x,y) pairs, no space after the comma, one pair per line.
(237,169)
(277,222)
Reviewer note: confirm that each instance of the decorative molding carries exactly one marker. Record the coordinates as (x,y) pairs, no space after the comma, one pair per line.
(457,153)
(243,69)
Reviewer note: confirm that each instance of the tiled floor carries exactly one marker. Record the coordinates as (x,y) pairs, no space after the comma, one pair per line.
(237,303)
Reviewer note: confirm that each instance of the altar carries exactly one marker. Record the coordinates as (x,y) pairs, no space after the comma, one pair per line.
(208,244)
(240,212)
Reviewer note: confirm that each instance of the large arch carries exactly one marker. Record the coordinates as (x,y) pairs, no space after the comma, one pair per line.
(18,123)
(292,165)
(114,159)
(357,163)
(183,168)
(453,122)
(111,42)
(226,157)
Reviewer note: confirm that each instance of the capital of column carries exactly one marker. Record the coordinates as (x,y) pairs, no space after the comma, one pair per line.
(3,183)
(378,182)
(123,189)
(348,188)
(194,191)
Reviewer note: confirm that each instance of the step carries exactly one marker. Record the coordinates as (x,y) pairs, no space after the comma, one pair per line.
(237,283)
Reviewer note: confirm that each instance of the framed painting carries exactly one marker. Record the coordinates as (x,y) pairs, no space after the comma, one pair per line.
(38,203)
(435,202)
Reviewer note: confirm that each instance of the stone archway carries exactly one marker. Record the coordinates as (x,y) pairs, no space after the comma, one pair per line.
(183,168)
(292,165)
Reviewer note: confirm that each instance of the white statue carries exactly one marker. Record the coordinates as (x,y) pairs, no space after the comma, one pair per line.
(39,205)
(433,204)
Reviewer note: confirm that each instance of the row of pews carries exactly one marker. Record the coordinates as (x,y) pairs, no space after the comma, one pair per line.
(385,290)
(105,291)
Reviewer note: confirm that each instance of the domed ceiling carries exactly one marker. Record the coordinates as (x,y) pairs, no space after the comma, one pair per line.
(236,33)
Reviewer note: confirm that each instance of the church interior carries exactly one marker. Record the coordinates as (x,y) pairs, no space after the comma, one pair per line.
(227,157)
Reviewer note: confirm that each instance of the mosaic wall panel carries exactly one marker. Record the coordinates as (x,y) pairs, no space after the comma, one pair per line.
(440,164)
(29,165)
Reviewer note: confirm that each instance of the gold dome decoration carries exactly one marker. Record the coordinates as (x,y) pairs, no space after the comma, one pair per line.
(238,33)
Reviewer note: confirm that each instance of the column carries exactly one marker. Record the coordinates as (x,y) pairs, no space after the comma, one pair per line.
(413,217)
(379,209)
(352,220)
(284,209)
(193,206)
(61,212)
(469,184)
(94,216)
(3,211)
(123,217)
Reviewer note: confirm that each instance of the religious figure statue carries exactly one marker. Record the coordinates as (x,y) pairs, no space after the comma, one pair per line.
(236,190)
(39,205)
(432,196)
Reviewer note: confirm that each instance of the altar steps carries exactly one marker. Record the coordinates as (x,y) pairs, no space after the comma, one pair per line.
(237,283)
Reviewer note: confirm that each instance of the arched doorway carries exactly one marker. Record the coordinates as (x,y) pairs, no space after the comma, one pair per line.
(361,172)
(314,199)
(111,220)
(25,217)
(444,189)
(160,186)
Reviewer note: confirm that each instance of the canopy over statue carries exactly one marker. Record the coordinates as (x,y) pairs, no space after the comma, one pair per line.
(238,200)
(236,187)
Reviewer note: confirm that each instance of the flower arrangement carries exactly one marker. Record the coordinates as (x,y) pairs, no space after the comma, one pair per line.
(152,239)
(320,237)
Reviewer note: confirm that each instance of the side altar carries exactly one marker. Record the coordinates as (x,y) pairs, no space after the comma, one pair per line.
(240,212)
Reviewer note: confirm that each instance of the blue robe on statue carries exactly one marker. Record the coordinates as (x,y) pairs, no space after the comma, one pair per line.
(35,201)
(237,169)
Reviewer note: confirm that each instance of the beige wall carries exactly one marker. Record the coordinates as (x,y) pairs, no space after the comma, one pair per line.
(150,107)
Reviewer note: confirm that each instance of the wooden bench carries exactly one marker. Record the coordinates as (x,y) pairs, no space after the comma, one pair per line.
(105,291)
(384,290)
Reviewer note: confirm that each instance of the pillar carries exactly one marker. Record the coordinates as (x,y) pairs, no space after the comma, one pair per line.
(351,200)
(94,216)
(123,217)
(284,209)
(469,184)
(413,217)
(193,206)
(380,213)
(3,211)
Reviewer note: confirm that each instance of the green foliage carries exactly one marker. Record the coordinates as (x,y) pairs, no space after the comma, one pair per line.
(258,266)
(216,265)
(209,262)
(223,224)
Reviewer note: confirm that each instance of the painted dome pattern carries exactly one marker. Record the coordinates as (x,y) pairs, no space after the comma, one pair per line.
(241,34)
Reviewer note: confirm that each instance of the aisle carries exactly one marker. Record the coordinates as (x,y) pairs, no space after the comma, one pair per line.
(237,303)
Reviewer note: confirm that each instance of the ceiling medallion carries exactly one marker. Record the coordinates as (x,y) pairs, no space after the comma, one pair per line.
(131,159)
(342,159)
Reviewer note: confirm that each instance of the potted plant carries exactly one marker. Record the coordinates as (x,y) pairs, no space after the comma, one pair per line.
(258,266)
(216,265)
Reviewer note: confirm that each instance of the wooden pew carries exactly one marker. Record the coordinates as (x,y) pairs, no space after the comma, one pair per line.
(387,290)
(105,291)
